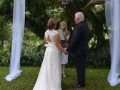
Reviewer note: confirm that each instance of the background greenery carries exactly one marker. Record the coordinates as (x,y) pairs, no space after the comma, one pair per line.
(37,14)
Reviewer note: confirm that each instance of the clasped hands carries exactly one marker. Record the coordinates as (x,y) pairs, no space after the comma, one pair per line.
(66,53)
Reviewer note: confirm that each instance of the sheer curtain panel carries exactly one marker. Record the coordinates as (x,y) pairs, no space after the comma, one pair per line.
(17,38)
(112,13)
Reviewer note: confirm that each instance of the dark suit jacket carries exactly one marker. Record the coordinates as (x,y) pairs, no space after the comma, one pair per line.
(79,41)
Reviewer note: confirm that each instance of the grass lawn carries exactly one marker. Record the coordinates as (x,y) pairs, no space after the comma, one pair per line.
(96,79)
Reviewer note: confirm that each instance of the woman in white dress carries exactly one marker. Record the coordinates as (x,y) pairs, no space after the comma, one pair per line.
(49,77)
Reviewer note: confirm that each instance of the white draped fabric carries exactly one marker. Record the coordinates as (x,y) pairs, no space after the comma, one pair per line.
(17,38)
(112,12)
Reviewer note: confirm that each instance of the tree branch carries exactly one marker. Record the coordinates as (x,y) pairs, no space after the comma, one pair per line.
(91,4)
(84,10)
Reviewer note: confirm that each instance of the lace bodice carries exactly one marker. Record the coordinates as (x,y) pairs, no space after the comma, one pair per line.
(51,34)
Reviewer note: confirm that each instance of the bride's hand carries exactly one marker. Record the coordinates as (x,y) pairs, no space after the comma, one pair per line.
(66,53)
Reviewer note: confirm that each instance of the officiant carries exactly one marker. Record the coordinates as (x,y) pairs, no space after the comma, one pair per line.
(64,36)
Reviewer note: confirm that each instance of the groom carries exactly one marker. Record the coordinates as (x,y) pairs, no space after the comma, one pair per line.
(79,47)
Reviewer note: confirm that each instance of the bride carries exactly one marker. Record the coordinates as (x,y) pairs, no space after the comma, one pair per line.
(49,77)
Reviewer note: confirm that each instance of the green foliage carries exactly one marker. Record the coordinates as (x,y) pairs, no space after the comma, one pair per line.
(32,49)
(30,59)
(4,58)
(55,12)
(76,5)
(59,14)
(36,17)
(99,59)
(98,32)
(37,14)
(4,29)
(0,56)
(31,56)
(6,9)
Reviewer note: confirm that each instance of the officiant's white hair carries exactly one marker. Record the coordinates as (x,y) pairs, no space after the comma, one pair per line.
(79,15)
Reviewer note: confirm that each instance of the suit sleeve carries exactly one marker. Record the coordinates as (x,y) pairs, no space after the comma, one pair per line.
(75,39)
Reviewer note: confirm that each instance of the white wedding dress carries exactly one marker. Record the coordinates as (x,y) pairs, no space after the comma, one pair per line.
(49,77)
